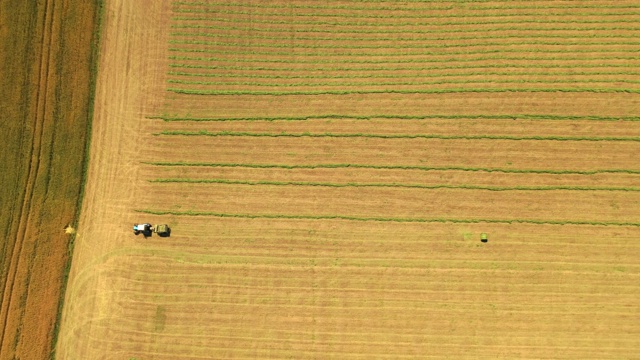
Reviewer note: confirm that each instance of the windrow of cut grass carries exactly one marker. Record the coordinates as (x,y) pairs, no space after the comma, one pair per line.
(462,36)
(404,117)
(327,30)
(408,14)
(392,185)
(385,219)
(404,91)
(507,6)
(396,136)
(385,76)
(517,20)
(402,68)
(236,35)
(403,60)
(396,167)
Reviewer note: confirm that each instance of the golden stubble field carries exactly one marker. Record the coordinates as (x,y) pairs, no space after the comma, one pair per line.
(312,224)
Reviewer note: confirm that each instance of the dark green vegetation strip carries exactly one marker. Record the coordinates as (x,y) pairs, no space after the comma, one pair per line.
(495,47)
(405,15)
(398,167)
(403,23)
(421,39)
(384,219)
(509,6)
(407,61)
(405,117)
(392,185)
(401,91)
(387,31)
(397,76)
(405,83)
(396,136)
(411,68)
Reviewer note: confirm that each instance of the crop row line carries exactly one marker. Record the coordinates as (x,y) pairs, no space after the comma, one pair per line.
(404,60)
(557,79)
(394,167)
(409,15)
(400,76)
(405,83)
(402,91)
(287,37)
(394,136)
(391,185)
(389,8)
(383,219)
(413,68)
(400,46)
(387,31)
(396,55)
(407,117)
(400,24)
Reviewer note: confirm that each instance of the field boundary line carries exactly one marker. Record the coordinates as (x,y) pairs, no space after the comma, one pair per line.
(392,185)
(396,167)
(392,136)
(383,219)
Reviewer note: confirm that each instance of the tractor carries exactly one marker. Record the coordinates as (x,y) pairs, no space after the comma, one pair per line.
(144,229)
(147,229)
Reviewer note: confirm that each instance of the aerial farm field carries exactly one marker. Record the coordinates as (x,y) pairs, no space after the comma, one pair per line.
(47,55)
(327,169)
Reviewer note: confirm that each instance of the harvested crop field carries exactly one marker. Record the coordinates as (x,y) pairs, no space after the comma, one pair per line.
(327,170)
(46,59)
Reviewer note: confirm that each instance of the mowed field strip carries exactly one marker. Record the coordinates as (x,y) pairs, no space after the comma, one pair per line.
(327,170)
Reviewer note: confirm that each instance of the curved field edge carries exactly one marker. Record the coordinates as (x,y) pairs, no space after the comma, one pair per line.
(50,50)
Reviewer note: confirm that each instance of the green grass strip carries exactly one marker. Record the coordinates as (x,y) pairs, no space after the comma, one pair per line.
(391,185)
(387,31)
(404,91)
(388,60)
(509,6)
(405,117)
(396,46)
(399,76)
(494,80)
(391,56)
(307,69)
(410,15)
(397,167)
(395,136)
(384,219)
(287,37)
(256,20)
